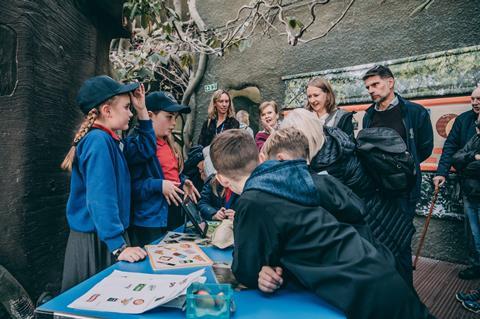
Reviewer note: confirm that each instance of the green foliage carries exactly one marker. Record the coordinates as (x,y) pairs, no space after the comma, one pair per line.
(153,55)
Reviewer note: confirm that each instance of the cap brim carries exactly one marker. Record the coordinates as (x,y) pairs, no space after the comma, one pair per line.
(177,108)
(128,88)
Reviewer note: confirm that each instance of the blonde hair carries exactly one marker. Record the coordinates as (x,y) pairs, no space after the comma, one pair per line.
(85,127)
(176,151)
(243,117)
(289,140)
(82,131)
(325,86)
(310,125)
(212,110)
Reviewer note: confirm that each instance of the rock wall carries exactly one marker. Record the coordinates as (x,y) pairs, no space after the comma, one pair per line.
(48,49)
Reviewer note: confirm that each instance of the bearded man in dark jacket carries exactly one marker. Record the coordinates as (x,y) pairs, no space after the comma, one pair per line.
(279,224)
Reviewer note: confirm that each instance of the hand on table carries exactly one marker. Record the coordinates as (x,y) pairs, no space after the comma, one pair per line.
(270,279)
(132,254)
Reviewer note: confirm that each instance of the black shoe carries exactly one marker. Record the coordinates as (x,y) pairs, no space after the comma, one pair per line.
(470,273)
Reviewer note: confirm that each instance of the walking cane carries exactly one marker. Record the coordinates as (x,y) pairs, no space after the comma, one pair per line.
(425,227)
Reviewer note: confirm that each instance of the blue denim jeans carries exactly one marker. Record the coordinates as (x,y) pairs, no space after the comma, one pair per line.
(472,216)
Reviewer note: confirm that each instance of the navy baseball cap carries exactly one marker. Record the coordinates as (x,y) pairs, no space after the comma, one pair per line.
(100,88)
(164,101)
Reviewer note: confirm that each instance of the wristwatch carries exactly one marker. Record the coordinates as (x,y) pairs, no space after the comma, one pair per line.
(116,253)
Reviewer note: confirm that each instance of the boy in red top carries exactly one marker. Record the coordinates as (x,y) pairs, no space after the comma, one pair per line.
(157,184)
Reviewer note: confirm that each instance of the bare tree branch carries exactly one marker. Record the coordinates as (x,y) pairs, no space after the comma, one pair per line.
(332,26)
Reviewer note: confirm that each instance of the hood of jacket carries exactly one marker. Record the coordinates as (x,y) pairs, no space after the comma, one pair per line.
(290,180)
(337,145)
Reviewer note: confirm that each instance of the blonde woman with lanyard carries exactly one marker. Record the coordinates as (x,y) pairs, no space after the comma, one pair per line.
(221,117)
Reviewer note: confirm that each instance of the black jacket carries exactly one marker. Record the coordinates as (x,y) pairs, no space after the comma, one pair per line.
(342,203)
(469,168)
(416,120)
(209,203)
(208,131)
(388,222)
(462,131)
(345,122)
(278,223)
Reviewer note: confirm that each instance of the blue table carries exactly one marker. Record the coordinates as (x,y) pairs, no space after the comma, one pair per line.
(288,302)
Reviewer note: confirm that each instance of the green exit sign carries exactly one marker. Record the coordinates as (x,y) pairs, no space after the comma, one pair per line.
(210,87)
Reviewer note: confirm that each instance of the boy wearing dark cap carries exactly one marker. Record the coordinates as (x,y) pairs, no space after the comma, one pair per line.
(157,183)
(278,223)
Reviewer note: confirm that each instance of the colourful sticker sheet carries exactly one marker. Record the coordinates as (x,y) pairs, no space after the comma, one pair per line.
(182,254)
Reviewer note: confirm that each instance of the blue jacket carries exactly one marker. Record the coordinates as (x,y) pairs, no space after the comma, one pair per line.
(149,206)
(418,126)
(463,130)
(209,203)
(99,198)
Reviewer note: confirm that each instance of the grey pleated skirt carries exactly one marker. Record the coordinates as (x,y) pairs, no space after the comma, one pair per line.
(85,256)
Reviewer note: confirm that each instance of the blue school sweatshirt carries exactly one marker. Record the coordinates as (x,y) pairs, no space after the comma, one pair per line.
(149,206)
(99,198)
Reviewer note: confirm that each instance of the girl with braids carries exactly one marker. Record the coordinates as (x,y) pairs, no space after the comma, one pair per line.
(221,117)
(98,208)
(158,185)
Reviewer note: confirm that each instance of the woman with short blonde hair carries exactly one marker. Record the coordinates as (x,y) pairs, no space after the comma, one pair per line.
(309,125)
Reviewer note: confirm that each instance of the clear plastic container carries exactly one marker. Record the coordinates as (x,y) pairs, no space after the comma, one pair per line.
(209,301)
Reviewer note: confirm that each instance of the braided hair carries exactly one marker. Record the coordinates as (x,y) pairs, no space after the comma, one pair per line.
(82,131)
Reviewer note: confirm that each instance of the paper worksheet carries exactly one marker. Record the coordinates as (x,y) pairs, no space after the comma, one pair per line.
(127,292)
